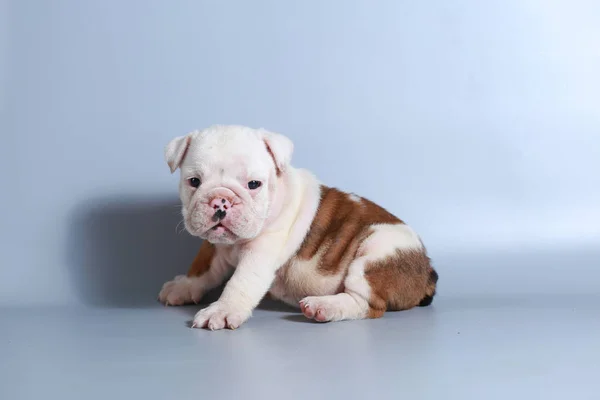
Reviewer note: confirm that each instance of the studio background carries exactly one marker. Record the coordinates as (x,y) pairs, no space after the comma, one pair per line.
(478,123)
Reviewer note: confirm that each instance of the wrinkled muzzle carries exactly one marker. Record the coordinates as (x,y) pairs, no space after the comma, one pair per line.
(220,216)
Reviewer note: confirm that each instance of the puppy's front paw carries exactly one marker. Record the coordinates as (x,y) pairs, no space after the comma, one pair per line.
(179,291)
(219,316)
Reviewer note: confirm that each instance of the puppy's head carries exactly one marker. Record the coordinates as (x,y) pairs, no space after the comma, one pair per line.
(229,179)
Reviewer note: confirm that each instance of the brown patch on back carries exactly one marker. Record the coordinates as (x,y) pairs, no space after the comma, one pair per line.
(339,226)
(202,261)
(400,282)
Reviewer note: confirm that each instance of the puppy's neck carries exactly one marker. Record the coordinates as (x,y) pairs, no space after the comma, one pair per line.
(299,197)
(294,206)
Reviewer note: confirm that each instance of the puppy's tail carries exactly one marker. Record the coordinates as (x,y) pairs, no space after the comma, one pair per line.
(432,283)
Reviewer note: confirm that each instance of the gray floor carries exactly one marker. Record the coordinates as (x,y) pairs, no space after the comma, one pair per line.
(484,347)
(475,121)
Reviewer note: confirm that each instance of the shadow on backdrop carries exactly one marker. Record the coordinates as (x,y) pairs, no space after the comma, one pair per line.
(121,250)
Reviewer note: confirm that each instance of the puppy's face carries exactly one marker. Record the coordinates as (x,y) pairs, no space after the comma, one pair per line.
(229,180)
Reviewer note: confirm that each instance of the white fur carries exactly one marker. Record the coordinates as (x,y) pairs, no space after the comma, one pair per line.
(225,159)
(352,304)
(250,281)
(387,238)
(258,260)
(183,289)
(301,277)
(263,224)
(301,210)
(175,151)
(355,198)
(265,228)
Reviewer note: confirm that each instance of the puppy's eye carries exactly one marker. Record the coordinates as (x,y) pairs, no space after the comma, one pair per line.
(254,185)
(194,182)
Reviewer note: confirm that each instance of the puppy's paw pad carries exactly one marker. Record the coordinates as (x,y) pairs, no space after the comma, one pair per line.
(318,308)
(233,321)
(218,316)
(179,291)
(306,308)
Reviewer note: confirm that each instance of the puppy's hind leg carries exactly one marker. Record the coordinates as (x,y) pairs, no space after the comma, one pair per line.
(392,272)
(353,303)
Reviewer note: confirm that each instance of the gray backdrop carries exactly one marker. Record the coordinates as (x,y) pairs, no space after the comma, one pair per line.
(476,122)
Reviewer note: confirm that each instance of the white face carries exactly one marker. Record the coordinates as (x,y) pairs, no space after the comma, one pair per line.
(228,180)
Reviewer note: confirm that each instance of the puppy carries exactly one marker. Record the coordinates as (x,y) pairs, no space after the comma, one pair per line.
(272,228)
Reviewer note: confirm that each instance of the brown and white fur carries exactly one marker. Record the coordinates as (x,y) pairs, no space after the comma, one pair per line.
(336,256)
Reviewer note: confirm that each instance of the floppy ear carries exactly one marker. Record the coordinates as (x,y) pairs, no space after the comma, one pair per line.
(280,148)
(175,151)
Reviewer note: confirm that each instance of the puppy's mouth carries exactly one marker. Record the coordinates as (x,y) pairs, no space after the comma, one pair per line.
(219,229)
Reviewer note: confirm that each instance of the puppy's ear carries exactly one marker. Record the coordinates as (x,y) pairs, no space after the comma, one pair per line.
(176,150)
(280,148)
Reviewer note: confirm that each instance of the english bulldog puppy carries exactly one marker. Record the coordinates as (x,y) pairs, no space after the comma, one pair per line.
(272,228)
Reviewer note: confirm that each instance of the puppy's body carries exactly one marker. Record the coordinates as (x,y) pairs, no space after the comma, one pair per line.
(335,255)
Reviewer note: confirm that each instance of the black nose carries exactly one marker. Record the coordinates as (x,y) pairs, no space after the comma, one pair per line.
(219,215)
